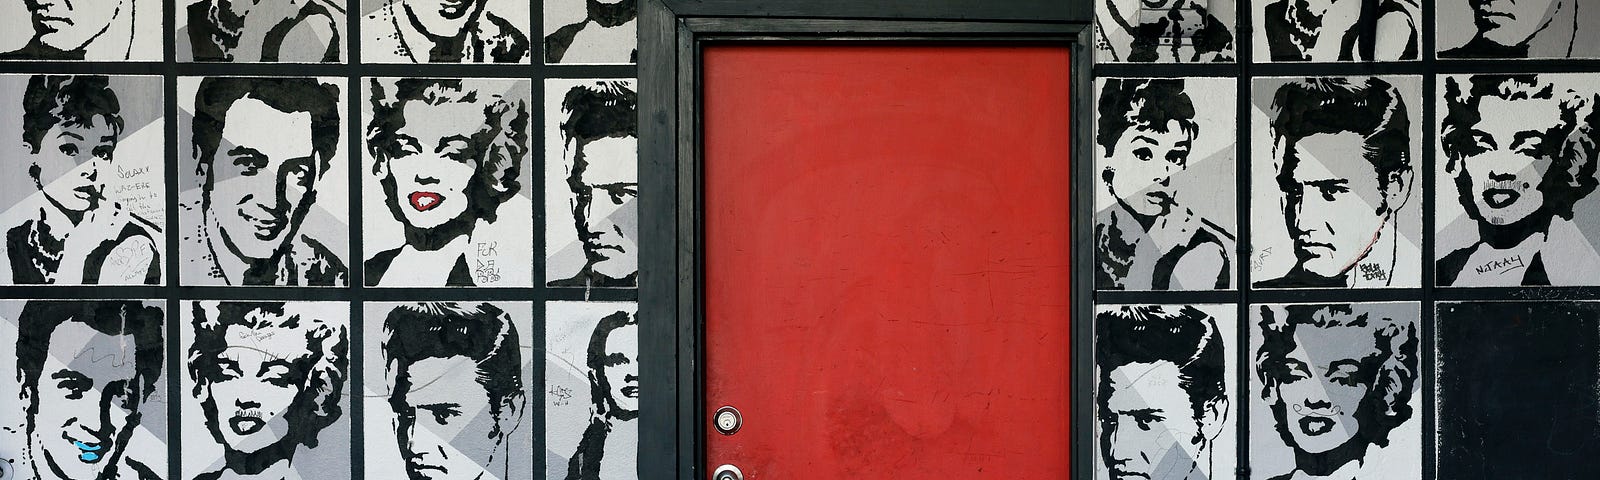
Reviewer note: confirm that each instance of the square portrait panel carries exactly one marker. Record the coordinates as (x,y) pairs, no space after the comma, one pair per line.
(447,390)
(445,31)
(1334,173)
(84,389)
(1514,203)
(85,201)
(1518,389)
(591,183)
(263,185)
(447,187)
(266,389)
(1166,200)
(1518,29)
(1338,31)
(1165,405)
(97,31)
(1165,31)
(591,31)
(253,31)
(1335,390)
(591,390)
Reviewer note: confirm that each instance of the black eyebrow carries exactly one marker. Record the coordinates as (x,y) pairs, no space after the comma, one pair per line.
(69,374)
(453,138)
(108,138)
(616,359)
(1331,182)
(245,151)
(1344,363)
(65,133)
(1519,137)
(1181,143)
(1145,138)
(276,363)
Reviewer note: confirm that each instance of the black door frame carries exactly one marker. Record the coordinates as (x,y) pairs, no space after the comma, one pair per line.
(671,36)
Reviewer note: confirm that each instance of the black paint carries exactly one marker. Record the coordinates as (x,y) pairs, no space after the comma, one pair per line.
(1519,390)
(604,110)
(600,15)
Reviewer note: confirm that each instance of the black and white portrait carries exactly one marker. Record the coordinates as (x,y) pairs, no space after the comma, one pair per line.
(447,390)
(263,181)
(591,31)
(445,185)
(1164,408)
(1338,30)
(1335,392)
(86,392)
(445,31)
(299,31)
(1167,31)
(591,183)
(1518,29)
(1516,176)
(591,390)
(86,201)
(1518,389)
(1334,195)
(266,395)
(1166,205)
(95,30)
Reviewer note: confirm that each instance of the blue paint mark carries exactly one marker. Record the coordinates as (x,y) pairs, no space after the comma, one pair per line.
(88,452)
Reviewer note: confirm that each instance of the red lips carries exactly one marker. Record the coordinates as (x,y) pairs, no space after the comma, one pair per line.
(424,201)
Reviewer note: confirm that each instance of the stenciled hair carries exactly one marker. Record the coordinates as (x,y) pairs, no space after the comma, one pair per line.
(1144,104)
(290,95)
(1570,145)
(498,146)
(483,333)
(67,100)
(1371,108)
(597,360)
(1183,336)
(40,319)
(321,371)
(74,101)
(1390,372)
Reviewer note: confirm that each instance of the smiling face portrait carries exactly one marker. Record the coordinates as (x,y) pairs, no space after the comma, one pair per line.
(268,377)
(81,412)
(1337,379)
(262,145)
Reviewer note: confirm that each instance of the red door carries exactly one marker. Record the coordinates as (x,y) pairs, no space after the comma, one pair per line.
(887,260)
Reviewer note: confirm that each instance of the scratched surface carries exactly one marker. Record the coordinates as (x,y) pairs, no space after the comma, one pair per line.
(887,260)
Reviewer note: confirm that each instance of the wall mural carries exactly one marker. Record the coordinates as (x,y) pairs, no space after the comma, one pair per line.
(1162,399)
(334,274)
(87,206)
(1165,156)
(1169,31)
(1411,295)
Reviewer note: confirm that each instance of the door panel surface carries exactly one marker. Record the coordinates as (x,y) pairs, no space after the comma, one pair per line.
(887,260)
